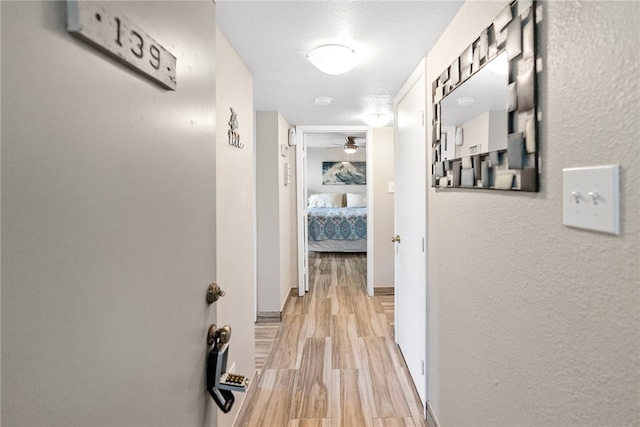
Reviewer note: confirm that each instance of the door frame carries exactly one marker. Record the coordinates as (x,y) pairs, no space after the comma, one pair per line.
(298,139)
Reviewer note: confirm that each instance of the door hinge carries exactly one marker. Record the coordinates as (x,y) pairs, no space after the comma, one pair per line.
(422,363)
(422,117)
(423,244)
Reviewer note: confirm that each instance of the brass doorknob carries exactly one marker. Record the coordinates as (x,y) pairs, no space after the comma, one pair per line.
(222,335)
(395,239)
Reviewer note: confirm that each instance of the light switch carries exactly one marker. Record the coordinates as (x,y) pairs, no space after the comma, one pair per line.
(591,198)
(391,187)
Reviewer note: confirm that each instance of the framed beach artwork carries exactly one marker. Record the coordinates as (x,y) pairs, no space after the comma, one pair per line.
(344,173)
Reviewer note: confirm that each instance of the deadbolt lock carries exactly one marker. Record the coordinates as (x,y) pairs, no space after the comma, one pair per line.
(214,293)
(395,239)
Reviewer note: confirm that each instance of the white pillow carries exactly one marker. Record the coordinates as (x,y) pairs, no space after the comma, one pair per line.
(356,200)
(325,200)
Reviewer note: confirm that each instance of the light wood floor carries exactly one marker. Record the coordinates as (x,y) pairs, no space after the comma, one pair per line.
(333,361)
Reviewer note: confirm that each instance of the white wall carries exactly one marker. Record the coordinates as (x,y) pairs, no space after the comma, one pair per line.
(497,139)
(0,238)
(532,322)
(487,131)
(315,157)
(108,222)
(475,132)
(383,154)
(268,211)
(275,251)
(287,224)
(235,222)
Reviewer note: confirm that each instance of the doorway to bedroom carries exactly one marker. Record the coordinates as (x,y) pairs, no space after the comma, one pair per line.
(333,164)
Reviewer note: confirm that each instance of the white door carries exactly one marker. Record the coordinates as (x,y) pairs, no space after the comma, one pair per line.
(447,137)
(303,236)
(410,226)
(108,223)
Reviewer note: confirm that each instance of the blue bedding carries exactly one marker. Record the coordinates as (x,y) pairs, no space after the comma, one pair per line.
(337,223)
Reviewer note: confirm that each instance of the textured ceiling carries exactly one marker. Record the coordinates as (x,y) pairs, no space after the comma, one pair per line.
(389,37)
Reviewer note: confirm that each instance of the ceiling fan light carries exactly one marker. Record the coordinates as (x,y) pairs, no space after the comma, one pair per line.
(349,150)
(350,146)
(376,120)
(333,58)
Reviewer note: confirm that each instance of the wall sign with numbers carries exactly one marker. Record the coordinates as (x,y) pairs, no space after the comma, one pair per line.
(118,36)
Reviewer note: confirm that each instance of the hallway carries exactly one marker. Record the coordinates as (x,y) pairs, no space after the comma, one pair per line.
(334,362)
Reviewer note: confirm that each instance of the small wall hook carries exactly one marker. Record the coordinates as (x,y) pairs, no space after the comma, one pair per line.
(234,136)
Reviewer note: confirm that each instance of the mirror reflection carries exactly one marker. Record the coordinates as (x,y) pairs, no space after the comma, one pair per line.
(484,132)
(474,115)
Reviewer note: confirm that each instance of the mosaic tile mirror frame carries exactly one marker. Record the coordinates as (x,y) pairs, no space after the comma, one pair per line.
(485,108)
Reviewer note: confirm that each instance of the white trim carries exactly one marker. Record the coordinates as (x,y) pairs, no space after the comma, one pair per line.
(255,221)
(370,213)
(301,212)
(420,70)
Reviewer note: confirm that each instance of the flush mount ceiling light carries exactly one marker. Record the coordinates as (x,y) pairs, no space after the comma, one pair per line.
(323,101)
(350,146)
(333,58)
(465,100)
(376,120)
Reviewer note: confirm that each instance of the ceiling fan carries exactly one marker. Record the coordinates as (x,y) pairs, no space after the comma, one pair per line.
(350,145)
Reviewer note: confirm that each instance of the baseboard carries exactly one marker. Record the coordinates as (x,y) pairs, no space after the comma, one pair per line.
(383,291)
(432,421)
(276,316)
(269,317)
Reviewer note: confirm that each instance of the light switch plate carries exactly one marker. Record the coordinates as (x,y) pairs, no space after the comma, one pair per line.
(591,198)
(391,187)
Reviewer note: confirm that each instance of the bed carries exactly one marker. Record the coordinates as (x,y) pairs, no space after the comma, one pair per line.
(333,227)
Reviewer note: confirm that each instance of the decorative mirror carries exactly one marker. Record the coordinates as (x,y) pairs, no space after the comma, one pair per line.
(485,115)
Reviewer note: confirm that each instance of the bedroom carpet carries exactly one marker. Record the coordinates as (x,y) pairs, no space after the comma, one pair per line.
(332,360)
